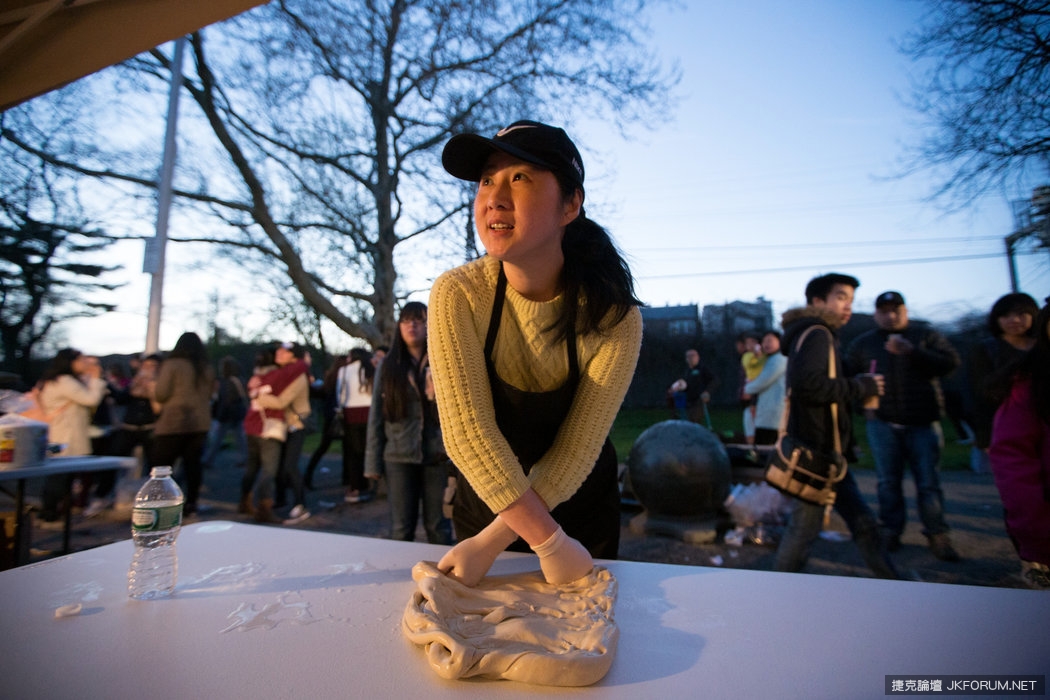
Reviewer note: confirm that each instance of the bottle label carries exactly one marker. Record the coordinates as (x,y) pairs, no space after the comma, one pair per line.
(149,519)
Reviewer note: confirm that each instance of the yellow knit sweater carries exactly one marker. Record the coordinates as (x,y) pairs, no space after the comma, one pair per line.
(460,307)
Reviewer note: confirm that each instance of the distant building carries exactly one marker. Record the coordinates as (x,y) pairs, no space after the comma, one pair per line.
(671,330)
(672,321)
(737,317)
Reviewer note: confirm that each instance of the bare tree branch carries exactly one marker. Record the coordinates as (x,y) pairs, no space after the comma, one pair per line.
(984,89)
(318,126)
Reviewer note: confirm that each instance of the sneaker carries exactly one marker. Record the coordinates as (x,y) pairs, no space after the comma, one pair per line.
(195,510)
(360,496)
(297,515)
(96,506)
(56,525)
(1035,575)
(942,548)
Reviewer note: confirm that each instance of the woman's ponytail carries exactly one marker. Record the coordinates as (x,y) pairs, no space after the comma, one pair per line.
(596,276)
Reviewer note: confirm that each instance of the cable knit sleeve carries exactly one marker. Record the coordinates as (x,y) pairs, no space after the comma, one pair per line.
(604,381)
(460,301)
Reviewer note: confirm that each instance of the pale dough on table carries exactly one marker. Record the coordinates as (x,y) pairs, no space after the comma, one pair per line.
(516,627)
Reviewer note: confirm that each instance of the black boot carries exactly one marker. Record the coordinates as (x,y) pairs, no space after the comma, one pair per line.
(264,512)
(873,550)
(941,546)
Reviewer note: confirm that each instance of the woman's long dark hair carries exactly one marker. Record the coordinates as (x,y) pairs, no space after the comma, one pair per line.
(61,363)
(263,358)
(1035,365)
(331,377)
(594,273)
(189,347)
(1015,302)
(398,366)
(366,371)
(230,367)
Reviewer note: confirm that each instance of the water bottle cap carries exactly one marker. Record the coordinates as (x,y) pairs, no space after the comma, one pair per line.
(159,472)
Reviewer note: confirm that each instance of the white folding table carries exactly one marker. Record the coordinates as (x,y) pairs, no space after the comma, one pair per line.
(54,466)
(273,612)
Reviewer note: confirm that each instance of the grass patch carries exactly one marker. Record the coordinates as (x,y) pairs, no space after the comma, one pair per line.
(630,423)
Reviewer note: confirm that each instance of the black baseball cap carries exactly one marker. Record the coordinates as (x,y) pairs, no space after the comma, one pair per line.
(889,299)
(546,146)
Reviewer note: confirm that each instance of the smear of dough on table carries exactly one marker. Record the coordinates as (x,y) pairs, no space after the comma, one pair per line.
(515,627)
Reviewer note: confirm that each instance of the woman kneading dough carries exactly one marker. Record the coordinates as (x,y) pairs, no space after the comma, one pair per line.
(532,350)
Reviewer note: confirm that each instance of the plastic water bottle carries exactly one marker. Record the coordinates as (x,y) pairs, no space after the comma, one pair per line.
(155,522)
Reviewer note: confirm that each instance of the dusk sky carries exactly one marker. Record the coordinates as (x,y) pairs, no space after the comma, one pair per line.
(778,164)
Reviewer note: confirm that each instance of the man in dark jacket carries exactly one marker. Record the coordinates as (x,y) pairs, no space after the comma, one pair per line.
(699,381)
(905,428)
(829,300)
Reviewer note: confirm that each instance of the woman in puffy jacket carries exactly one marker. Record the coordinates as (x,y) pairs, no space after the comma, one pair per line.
(69,391)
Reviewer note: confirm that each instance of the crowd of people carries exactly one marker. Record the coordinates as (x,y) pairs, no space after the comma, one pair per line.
(173,409)
(891,375)
(500,414)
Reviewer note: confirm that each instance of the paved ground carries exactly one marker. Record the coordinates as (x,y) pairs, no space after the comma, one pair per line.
(972,505)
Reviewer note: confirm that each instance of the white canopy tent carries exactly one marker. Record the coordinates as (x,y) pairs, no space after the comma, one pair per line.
(45,44)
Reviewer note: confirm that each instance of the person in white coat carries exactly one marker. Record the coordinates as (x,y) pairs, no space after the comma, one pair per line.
(769,386)
(354,394)
(69,391)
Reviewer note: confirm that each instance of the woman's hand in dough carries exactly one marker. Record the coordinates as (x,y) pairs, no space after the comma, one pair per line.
(563,559)
(471,559)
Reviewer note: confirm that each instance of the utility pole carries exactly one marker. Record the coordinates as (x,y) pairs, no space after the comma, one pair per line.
(153,262)
(1031,221)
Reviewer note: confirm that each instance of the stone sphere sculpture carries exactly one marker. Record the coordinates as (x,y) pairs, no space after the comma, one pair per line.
(679,469)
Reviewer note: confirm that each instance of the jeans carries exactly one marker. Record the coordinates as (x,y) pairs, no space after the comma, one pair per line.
(354,441)
(327,436)
(264,455)
(407,484)
(918,447)
(807,519)
(126,439)
(218,434)
(189,447)
(289,476)
(53,496)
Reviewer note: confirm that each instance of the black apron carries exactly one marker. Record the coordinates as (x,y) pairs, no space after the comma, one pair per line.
(529,421)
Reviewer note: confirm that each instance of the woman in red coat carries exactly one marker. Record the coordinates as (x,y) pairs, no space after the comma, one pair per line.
(1020,457)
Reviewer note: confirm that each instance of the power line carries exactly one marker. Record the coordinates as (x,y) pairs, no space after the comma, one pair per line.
(810,266)
(765,246)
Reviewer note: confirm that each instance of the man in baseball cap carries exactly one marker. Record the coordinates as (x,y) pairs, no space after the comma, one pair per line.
(889,299)
(905,430)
